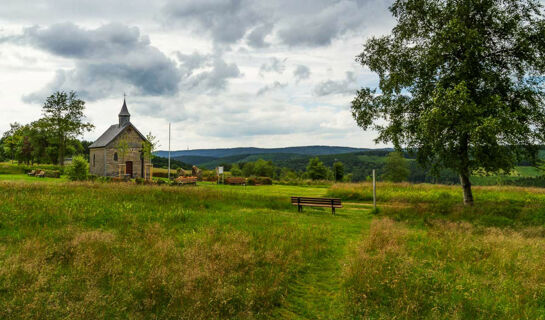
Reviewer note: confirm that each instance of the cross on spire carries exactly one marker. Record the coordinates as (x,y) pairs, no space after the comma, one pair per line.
(124,115)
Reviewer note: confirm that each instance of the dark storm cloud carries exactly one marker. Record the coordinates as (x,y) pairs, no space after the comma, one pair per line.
(215,79)
(107,59)
(319,28)
(115,58)
(295,23)
(226,20)
(347,86)
(69,40)
(206,72)
(256,38)
(190,62)
(302,72)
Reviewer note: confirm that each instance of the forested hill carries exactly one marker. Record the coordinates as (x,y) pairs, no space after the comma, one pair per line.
(228,152)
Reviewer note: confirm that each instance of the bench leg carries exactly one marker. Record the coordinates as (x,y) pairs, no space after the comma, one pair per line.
(333,210)
(300,208)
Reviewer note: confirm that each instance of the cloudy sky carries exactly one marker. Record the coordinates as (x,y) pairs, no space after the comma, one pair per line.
(225,73)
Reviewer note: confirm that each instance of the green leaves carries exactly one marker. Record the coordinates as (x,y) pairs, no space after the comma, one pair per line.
(460,82)
(63,117)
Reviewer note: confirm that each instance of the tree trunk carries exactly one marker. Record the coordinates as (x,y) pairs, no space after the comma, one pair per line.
(466,185)
(61,152)
(465,172)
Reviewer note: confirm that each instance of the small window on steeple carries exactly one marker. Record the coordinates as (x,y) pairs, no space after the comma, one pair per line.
(115,156)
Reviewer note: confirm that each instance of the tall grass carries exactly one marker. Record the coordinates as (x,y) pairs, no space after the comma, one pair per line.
(449,270)
(418,193)
(84,250)
(494,206)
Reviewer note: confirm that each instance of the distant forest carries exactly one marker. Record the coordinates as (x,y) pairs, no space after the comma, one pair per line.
(359,164)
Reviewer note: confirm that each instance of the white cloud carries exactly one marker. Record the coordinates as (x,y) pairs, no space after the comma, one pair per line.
(226,73)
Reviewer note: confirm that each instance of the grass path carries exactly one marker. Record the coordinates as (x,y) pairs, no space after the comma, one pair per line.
(317,293)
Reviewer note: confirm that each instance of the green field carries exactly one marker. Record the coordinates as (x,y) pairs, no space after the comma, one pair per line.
(117,250)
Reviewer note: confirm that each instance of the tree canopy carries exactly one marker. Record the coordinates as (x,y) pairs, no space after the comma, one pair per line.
(316,170)
(338,170)
(396,168)
(460,83)
(63,118)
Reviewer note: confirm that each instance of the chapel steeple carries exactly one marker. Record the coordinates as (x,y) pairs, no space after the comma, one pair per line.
(124,115)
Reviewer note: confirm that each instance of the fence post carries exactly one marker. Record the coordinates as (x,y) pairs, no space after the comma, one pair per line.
(374,190)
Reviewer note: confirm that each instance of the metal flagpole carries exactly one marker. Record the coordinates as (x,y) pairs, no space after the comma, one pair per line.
(374,190)
(169,151)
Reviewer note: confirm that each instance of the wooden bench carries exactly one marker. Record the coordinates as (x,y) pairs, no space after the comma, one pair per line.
(301,202)
(235,180)
(186,180)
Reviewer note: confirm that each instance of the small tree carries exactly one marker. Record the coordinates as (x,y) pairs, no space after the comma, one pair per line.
(79,169)
(460,83)
(264,168)
(316,169)
(338,171)
(235,170)
(288,174)
(26,149)
(248,169)
(396,168)
(149,146)
(63,115)
(9,140)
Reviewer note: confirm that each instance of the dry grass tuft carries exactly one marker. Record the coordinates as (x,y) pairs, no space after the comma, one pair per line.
(450,270)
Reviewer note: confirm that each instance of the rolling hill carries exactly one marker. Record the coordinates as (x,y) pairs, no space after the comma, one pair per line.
(226,152)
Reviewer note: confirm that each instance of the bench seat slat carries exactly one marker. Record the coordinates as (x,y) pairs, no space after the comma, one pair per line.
(318,205)
(315,198)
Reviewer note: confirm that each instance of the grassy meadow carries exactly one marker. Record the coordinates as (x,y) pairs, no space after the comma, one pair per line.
(117,250)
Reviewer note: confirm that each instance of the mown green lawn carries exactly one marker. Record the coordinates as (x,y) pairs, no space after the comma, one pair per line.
(26,178)
(116,250)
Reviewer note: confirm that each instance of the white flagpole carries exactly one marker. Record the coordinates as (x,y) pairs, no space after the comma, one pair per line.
(169,151)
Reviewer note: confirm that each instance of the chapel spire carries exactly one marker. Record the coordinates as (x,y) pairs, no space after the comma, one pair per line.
(124,115)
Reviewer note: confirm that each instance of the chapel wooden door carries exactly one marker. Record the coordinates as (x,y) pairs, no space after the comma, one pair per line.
(128,166)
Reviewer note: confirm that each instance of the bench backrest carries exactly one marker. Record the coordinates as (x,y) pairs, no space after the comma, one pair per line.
(316,201)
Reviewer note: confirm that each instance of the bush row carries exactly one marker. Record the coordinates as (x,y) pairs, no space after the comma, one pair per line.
(23,168)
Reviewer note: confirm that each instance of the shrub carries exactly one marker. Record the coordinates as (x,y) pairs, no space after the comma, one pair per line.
(139,181)
(251,181)
(104,179)
(254,181)
(92,177)
(264,180)
(52,173)
(235,170)
(316,169)
(79,169)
